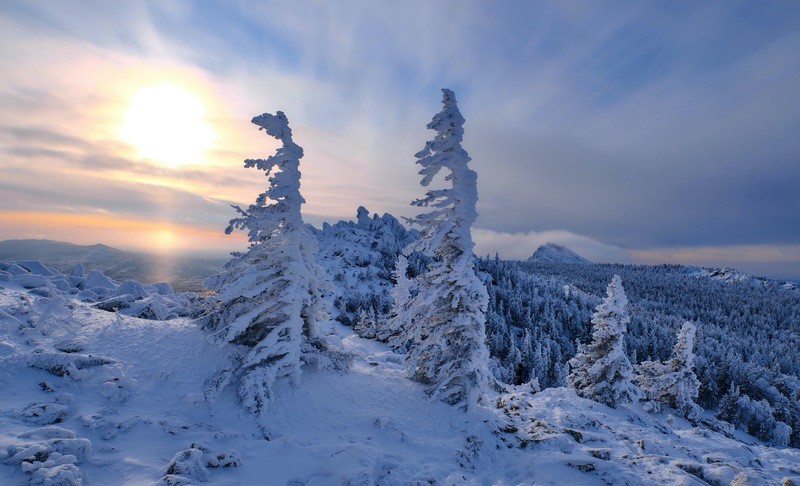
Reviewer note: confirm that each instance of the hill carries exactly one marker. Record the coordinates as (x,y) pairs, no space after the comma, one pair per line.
(552,253)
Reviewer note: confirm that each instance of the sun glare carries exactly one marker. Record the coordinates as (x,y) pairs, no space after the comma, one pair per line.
(165,123)
(164,240)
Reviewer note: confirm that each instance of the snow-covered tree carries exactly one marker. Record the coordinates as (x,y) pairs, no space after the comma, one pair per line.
(391,329)
(270,297)
(685,387)
(673,383)
(366,324)
(756,417)
(601,370)
(443,323)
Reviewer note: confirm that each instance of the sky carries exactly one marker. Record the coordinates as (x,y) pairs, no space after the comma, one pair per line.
(634,132)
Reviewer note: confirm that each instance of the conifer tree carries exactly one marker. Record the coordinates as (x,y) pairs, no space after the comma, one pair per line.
(684,386)
(443,323)
(366,324)
(391,330)
(601,370)
(270,297)
(673,383)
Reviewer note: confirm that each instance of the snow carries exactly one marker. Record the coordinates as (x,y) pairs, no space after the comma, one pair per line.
(553,253)
(366,425)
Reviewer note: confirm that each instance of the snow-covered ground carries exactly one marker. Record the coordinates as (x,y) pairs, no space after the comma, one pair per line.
(112,399)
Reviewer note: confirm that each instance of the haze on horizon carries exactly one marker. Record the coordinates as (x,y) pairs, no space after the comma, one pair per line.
(648,133)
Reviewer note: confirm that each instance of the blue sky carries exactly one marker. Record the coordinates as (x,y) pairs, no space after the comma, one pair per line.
(629,131)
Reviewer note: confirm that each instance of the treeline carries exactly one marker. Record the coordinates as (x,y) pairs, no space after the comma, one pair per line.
(748,331)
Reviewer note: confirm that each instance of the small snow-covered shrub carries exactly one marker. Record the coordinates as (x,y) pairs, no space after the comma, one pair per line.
(325,356)
(41,451)
(57,475)
(224,459)
(117,389)
(44,413)
(188,465)
(65,364)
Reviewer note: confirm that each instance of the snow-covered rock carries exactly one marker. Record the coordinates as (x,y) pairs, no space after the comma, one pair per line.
(96,280)
(57,473)
(29,280)
(553,253)
(132,288)
(154,301)
(37,268)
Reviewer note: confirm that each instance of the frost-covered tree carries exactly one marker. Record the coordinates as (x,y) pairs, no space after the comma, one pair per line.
(685,386)
(601,370)
(270,297)
(366,324)
(391,329)
(443,323)
(673,383)
(754,416)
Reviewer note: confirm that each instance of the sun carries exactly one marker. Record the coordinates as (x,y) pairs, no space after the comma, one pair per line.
(163,239)
(165,123)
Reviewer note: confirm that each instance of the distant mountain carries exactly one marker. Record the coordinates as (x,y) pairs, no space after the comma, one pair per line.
(182,272)
(553,253)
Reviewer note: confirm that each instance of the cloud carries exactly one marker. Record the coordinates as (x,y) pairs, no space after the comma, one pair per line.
(124,233)
(522,245)
(642,126)
(776,261)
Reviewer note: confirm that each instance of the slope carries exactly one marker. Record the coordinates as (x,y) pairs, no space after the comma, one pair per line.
(133,400)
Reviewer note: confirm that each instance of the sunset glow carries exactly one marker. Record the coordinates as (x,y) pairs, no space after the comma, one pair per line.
(165,123)
(148,119)
(121,232)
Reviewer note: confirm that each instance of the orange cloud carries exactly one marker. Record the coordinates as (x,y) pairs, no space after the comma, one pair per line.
(127,233)
(725,255)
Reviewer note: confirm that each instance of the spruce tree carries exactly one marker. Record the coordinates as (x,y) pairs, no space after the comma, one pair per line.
(684,386)
(270,297)
(443,323)
(601,370)
(391,329)
(673,383)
